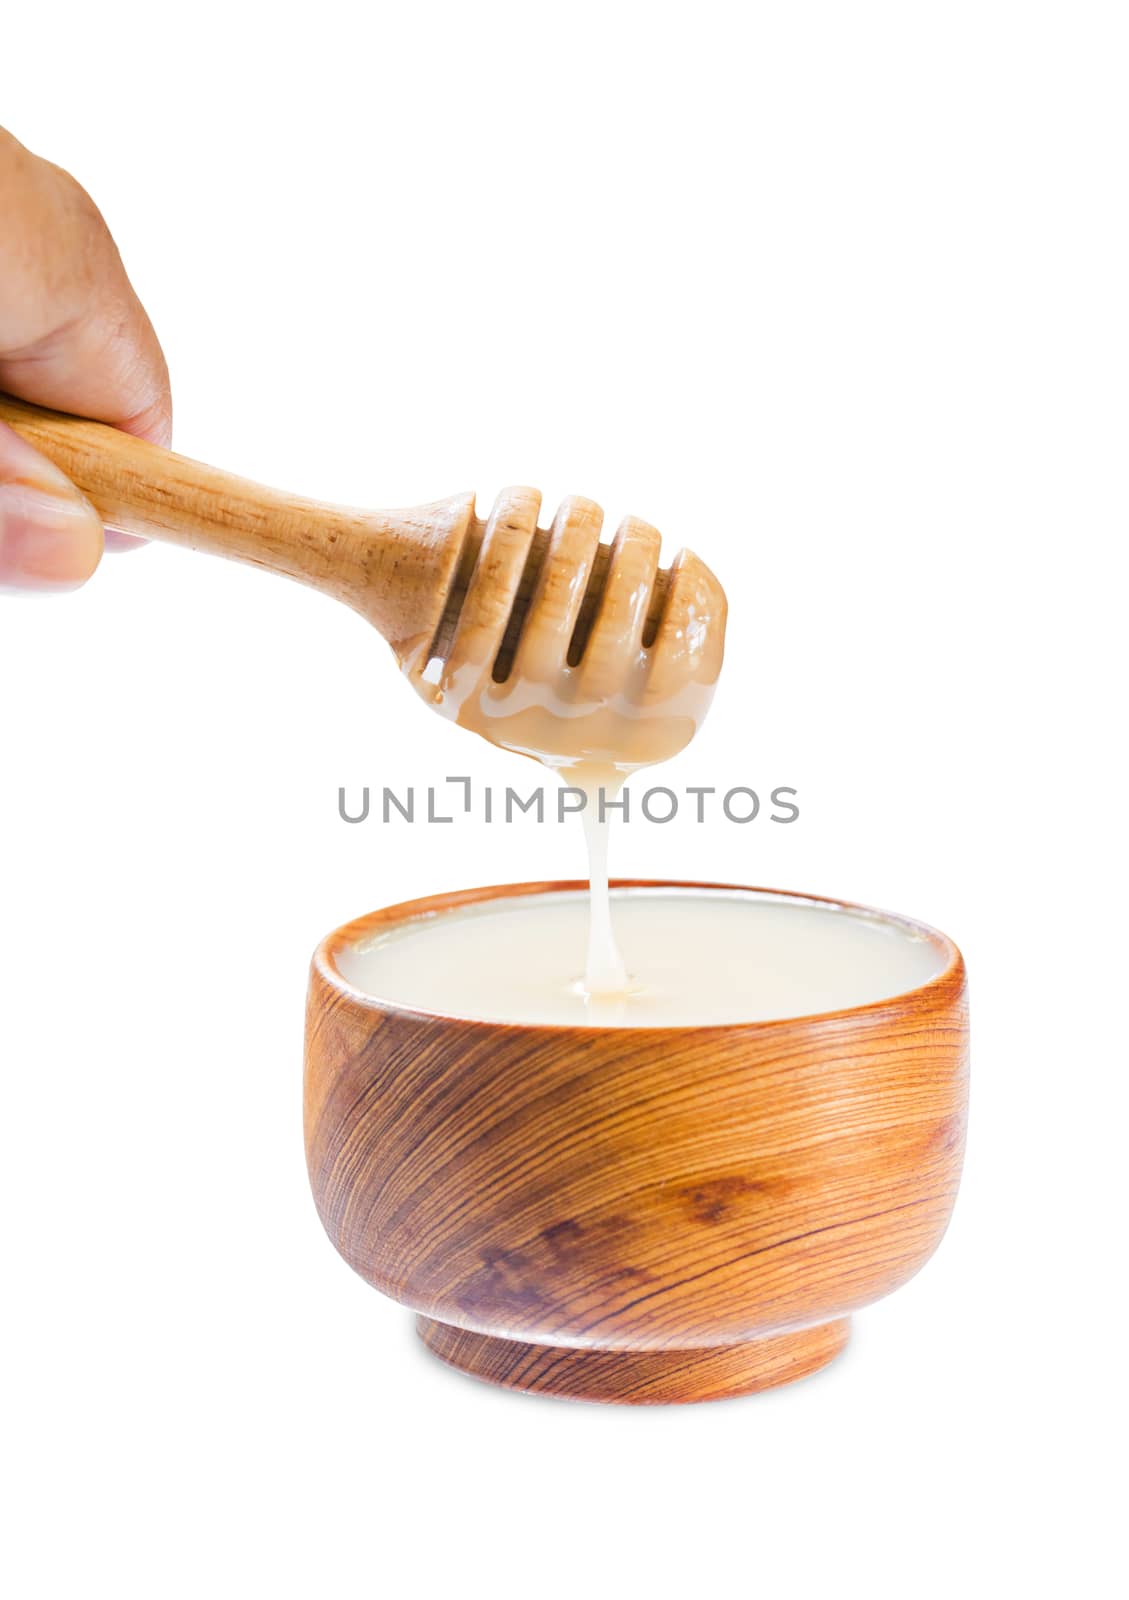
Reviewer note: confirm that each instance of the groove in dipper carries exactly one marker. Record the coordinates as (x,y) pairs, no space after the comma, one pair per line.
(656,610)
(460,583)
(530,573)
(590,605)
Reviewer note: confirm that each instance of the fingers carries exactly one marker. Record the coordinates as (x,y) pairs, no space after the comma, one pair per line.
(73,334)
(50,536)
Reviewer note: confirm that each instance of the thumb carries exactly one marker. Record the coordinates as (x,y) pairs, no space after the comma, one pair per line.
(50,535)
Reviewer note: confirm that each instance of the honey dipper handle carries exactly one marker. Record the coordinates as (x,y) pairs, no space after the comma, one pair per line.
(395,567)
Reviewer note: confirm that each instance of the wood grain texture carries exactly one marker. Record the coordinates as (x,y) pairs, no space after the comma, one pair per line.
(575,625)
(394,567)
(638,1377)
(642,1192)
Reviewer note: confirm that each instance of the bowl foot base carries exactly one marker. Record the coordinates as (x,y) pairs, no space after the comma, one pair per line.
(637,1377)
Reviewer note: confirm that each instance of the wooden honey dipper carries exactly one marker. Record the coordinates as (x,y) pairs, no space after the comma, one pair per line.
(543,640)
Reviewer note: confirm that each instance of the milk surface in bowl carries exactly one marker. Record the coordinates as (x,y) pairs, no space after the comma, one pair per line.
(695,957)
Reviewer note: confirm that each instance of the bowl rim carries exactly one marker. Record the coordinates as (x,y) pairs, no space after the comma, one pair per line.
(943,987)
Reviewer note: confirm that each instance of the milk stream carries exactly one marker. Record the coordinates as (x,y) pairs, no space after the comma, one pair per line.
(605,974)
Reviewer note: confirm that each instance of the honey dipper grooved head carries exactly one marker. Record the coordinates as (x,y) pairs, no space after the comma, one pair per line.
(583,655)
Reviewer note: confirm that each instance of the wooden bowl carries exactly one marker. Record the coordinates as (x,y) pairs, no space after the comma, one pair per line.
(634,1214)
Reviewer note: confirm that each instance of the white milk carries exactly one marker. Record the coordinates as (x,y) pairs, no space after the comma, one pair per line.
(605,974)
(693,957)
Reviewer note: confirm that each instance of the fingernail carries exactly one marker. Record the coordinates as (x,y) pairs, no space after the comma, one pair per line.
(47,541)
(121,543)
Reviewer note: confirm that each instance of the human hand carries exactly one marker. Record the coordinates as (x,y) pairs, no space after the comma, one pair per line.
(75,337)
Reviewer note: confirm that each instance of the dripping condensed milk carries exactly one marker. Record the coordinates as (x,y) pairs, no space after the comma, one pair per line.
(594,689)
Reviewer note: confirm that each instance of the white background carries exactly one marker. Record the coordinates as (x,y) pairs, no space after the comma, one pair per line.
(835,294)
